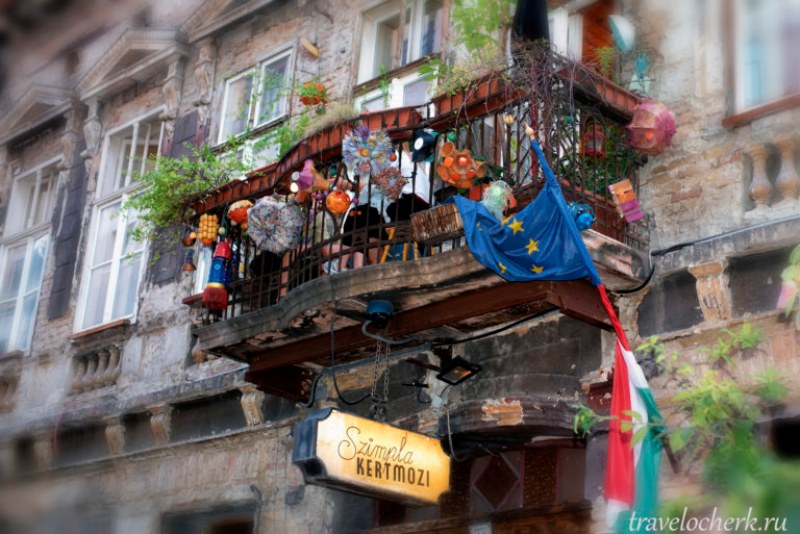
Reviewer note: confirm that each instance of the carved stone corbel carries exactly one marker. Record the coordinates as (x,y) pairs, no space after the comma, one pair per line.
(115,435)
(712,290)
(252,399)
(160,423)
(92,133)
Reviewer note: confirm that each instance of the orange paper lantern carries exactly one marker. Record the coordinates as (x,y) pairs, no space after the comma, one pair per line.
(337,202)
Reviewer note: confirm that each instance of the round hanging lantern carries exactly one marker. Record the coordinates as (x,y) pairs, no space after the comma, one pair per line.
(593,142)
(651,128)
(337,202)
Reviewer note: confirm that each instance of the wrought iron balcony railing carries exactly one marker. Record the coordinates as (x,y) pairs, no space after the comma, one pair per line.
(579,118)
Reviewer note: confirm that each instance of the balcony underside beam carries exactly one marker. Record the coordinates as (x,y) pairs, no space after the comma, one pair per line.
(578,299)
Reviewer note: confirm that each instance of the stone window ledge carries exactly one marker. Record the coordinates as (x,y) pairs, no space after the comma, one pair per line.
(83,335)
(746,117)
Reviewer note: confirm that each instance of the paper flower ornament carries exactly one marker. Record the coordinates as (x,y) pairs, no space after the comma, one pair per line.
(390,182)
(366,152)
(458,167)
(497,197)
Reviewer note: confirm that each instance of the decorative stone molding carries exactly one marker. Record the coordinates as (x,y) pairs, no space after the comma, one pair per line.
(252,399)
(96,369)
(70,138)
(712,290)
(115,435)
(43,451)
(38,105)
(151,50)
(92,133)
(160,423)
(204,77)
(171,89)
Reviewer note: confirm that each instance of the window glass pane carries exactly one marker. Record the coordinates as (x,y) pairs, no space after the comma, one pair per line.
(26,322)
(431,27)
(6,320)
(12,272)
(237,106)
(36,266)
(44,202)
(385,42)
(96,296)
(129,244)
(373,104)
(127,286)
(415,93)
(273,95)
(106,234)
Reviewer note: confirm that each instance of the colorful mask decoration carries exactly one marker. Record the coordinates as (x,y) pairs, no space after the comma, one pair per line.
(458,168)
(337,202)
(390,182)
(651,128)
(497,198)
(366,152)
(237,213)
(423,145)
(625,200)
(275,226)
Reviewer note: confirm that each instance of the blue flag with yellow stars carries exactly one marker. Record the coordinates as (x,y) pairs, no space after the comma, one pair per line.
(540,242)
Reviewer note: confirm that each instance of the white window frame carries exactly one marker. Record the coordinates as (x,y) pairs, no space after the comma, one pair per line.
(566,29)
(774,57)
(27,236)
(110,169)
(254,104)
(370,21)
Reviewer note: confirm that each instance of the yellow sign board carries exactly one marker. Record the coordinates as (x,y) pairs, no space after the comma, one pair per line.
(343,450)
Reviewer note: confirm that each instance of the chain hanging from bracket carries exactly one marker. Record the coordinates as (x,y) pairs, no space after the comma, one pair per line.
(377,409)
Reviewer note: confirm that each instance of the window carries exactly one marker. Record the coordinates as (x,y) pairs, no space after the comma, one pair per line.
(113,272)
(23,251)
(255,97)
(395,34)
(411,90)
(767,38)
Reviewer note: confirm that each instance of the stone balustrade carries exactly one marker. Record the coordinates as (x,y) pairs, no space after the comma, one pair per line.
(96,369)
(774,185)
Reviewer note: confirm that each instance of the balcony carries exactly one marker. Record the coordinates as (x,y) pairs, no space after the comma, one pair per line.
(282,310)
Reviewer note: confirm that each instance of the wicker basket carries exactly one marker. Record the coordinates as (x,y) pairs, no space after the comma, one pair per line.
(437,224)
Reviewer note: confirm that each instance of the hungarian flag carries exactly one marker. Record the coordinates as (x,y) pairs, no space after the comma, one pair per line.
(542,242)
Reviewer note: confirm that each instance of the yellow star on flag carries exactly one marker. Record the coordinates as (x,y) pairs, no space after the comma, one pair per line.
(516,226)
(533,246)
(502,267)
(536,269)
(505,221)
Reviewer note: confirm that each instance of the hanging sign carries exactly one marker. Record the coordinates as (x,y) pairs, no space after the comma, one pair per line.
(341,450)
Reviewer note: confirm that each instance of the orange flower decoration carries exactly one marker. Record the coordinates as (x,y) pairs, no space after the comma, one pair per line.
(458,167)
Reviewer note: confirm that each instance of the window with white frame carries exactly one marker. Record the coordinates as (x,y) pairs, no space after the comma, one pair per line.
(255,97)
(114,267)
(767,41)
(398,32)
(23,250)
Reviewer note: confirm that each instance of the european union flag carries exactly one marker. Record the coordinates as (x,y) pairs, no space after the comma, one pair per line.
(541,242)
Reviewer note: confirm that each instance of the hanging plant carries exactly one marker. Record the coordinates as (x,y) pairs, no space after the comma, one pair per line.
(313,94)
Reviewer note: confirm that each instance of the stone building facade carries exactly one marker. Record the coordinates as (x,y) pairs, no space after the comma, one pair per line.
(111,422)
